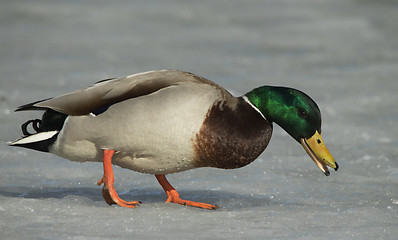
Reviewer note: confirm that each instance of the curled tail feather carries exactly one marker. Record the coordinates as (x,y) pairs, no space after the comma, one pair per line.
(47,130)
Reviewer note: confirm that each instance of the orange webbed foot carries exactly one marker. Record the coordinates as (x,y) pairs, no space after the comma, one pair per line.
(174,197)
(108,191)
(111,197)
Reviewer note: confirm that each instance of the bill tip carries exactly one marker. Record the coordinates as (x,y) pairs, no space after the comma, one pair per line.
(337,167)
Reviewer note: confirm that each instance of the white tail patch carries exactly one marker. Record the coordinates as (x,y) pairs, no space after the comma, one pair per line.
(41,136)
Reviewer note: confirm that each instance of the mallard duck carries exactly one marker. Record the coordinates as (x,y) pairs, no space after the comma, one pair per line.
(168,121)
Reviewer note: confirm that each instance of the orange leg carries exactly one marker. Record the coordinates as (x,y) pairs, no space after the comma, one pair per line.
(174,197)
(108,191)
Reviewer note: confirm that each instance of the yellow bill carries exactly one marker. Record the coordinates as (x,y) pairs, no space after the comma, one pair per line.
(318,152)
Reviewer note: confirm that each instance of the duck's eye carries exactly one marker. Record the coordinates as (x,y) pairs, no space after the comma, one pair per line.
(319,141)
(302,113)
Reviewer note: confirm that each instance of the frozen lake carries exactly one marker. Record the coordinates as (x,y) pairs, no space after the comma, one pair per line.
(343,53)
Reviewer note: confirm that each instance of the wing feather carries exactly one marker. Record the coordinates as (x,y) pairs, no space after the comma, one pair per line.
(107,92)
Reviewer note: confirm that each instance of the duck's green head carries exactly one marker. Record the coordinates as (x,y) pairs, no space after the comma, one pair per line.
(298,115)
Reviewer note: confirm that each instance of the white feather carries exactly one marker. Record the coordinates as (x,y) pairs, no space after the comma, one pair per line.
(35,138)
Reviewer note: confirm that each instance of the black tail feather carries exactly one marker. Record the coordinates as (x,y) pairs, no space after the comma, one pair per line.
(47,130)
(36,124)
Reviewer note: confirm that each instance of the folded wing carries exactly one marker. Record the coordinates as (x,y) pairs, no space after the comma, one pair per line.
(110,91)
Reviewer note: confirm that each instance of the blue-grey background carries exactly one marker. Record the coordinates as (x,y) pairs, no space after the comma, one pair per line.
(343,53)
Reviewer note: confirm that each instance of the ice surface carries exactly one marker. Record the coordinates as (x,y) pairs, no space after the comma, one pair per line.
(343,53)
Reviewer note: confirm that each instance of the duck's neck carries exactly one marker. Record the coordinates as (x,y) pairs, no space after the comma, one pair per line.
(270,101)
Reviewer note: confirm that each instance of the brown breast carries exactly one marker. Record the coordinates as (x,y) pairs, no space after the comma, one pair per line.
(231,137)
